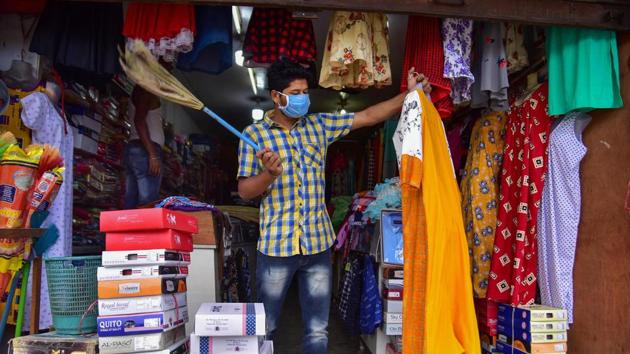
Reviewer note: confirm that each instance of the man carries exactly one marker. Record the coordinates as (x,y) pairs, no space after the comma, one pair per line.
(288,172)
(143,153)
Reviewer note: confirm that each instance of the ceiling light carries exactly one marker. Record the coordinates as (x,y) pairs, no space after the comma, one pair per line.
(261,78)
(236,17)
(238,57)
(252,79)
(257,114)
(342,111)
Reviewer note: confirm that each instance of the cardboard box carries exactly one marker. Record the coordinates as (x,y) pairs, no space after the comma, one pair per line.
(223,345)
(84,142)
(521,328)
(181,347)
(146,323)
(141,342)
(207,234)
(144,257)
(266,347)
(393,294)
(487,312)
(542,348)
(52,342)
(531,313)
(143,304)
(393,283)
(393,317)
(147,219)
(390,272)
(228,319)
(140,272)
(529,342)
(391,349)
(112,289)
(144,240)
(393,306)
(392,329)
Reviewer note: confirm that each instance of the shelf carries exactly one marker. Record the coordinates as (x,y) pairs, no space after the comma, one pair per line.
(100,158)
(21,233)
(87,250)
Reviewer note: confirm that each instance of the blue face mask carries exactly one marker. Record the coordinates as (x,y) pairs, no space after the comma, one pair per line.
(297,105)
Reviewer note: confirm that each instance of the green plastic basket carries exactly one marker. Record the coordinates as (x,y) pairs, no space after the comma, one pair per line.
(72,288)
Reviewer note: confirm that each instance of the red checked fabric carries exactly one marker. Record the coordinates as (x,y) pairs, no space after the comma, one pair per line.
(273,33)
(513,272)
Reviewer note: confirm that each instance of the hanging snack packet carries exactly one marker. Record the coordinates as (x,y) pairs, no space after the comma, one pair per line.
(16,178)
(44,192)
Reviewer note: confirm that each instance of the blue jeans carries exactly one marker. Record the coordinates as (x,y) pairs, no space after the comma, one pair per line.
(314,275)
(140,187)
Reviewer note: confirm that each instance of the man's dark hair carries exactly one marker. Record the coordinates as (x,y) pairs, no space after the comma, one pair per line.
(283,72)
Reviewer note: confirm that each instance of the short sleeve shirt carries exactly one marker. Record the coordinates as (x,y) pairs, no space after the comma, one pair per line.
(293,217)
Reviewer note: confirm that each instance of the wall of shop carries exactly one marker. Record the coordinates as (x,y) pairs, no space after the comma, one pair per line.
(182,122)
(602,268)
(12,43)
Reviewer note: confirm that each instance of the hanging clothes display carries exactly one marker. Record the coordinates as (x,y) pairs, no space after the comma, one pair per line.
(371,311)
(559,214)
(82,36)
(167,29)
(583,69)
(490,89)
(48,127)
(424,51)
(438,315)
(517,58)
(212,51)
(457,42)
(480,189)
(357,51)
(274,33)
(513,272)
(10,120)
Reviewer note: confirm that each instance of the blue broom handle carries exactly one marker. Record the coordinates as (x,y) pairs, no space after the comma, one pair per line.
(231,128)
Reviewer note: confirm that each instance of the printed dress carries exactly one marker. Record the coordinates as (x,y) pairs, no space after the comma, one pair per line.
(513,273)
(480,188)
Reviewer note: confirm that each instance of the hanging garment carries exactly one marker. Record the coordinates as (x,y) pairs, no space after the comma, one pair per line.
(212,51)
(583,69)
(80,36)
(350,294)
(274,33)
(490,89)
(167,29)
(390,166)
(559,214)
(357,51)
(438,315)
(10,120)
(457,42)
(425,52)
(50,128)
(513,272)
(371,310)
(480,189)
(517,58)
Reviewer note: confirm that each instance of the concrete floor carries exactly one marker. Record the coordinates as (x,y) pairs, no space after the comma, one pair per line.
(289,336)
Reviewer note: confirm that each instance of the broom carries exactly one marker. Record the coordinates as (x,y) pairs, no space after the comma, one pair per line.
(142,68)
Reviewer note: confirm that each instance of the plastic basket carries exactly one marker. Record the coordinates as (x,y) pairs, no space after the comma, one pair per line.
(72,288)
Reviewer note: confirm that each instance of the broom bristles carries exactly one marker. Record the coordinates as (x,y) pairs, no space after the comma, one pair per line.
(142,68)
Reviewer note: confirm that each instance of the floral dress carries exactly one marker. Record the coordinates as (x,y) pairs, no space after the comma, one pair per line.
(357,51)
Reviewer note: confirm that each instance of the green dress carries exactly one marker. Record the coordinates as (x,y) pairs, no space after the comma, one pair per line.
(583,70)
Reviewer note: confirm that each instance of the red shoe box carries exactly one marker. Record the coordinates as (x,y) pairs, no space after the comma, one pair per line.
(146,240)
(393,294)
(147,219)
(487,313)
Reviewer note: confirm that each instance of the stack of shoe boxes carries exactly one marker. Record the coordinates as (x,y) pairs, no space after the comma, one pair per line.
(142,284)
(487,312)
(392,299)
(532,329)
(226,328)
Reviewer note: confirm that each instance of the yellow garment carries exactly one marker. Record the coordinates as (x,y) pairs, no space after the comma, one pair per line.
(357,51)
(450,324)
(12,121)
(480,189)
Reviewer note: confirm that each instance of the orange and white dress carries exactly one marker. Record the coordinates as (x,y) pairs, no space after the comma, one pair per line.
(438,310)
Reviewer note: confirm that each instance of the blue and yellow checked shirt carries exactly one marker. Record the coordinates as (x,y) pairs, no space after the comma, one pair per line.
(293,217)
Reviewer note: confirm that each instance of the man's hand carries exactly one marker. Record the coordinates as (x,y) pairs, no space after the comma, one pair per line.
(413,78)
(155,165)
(271,161)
